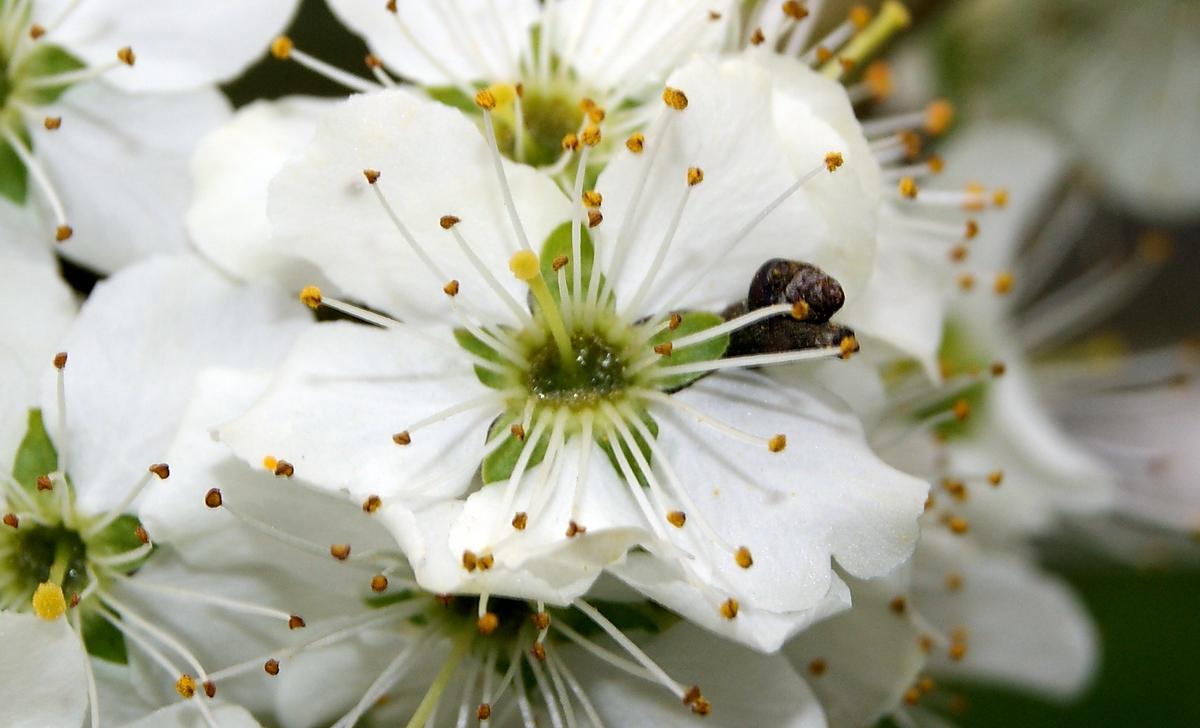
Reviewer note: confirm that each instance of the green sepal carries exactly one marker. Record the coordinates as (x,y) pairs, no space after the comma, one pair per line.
(974,395)
(36,455)
(711,350)
(499,465)
(102,639)
(117,538)
(14,178)
(452,96)
(557,243)
(606,445)
(386,600)
(489,378)
(45,60)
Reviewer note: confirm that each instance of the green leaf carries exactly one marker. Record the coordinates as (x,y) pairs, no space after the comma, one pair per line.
(36,455)
(710,350)
(499,465)
(606,445)
(45,60)
(488,377)
(103,640)
(558,243)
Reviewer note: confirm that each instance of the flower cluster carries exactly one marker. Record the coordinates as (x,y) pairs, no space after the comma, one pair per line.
(587,363)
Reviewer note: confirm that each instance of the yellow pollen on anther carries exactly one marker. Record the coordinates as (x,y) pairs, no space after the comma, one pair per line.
(485,100)
(972,229)
(372,504)
(591,135)
(11,520)
(592,199)
(938,117)
(743,558)
(954,581)
(379,583)
(538,651)
(817,667)
(269,463)
(664,349)
(675,98)
(860,16)
(958,253)
(677,518)
(795,10)
(594,218)
(695,176)
(271,667)
(961,409)
(372,175)
(898,605)
(63,232)
(36,31)
(44,483)
(486,562)
(636,142)
(935,163)
(1000,197)
(487,624)
(966,281)
(757,37)
(878,78)
(1004,283)
(520,520)
(295,621)
(995,478)
(52,123)
(162,470)
(126,55)
(451,288)
(48,601)
(282,47)
(212,498)
(139,532)
(310,296)
(570,142)
(559,263)
(574,529)
(833,160)
(469,560)
(402,438)
(483,712)
(596,114)
(908,187)
(340,551)
(673,321)
(210,688)
(517,431)
(729,608)
(185,686)
(777,443)
(1154,246)
(912,696)
(847,64)
(824,55)
(848,346)
(958,525)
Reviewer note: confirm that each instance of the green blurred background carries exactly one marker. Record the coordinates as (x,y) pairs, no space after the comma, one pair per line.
(1148,617)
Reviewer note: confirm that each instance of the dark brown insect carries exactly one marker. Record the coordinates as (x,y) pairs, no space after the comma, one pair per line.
(818,295)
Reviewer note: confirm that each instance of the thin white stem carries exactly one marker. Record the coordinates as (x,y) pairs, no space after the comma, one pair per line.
(502,178)
(119,510)
(333,73)
(514,480)
(296,542)
(390,675)
(560,690)
(739,362)
(699,416)
(539,677)
(504,347)
(70,78)
(149,628)
(577,228)
(592,716)
(466,406)
(501,292)
(232,605)
(93,693)
(585,455)
(125,557)
(659,256)
(416,247)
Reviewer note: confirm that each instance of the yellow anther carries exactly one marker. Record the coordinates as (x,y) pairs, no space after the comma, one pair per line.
(162,470)
(186,686)
(48,601)
(695,176)
(912,696)
(486,562)
(402,438)
(488,623)
(60,360)
(664,349)
(966,281)
(451,288)
(538,651)
(520,520)
(972,230)
(485,100)
(995,478)
(524,265)
(636,142)
(282,47)
(954,581)
(63,232)
(878,78)
(938,116)
(295,621)
(1004,283)
(310,296)
(469,561)
(340,551)
(848,64)
(777,443)
(44,483)
(52,123)
(1000,197)
(590,135)
(860,16)
(271,667)
(570,142)
(677,518)
(36,31)
(936,164)
(379,583)
(957,651)
(559,263)
(210,688)
(743,558)
(958,525)
(729,608)
(898,605)
(925,684)
(213,498)
(958,253)
(795,10)
(675,98)
(541,620)
(126,55)
(592,199)
(848,346)
(594,218)
(372,504)
(372,175)
(596,114)
(824,55)
(372,61)
(574,529)
(1154,246)
(961,409)
(11,520)
(908,187)
(997,369)
(269,463)
(517,431)
(448,221)
(817,667)
(833,160)
(674,321)
(757,37)
(483,712)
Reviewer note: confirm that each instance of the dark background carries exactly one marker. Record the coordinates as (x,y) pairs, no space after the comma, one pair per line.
(1148,617)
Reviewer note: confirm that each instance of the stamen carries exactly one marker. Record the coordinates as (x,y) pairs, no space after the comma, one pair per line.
(144,624)
(482,101)
(694,177)
(390,675)
(627,644)
(404,437)
(119,510)
(375,65)
(548,697)
(93,692)
(449,222)
(656,396)
(892,18)
(125,57)
(580,694)
(63,231)
(284,49)
(740,362)
(434,694)
(373,179)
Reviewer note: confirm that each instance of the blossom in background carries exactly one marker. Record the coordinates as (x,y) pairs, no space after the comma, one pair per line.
(87,84)
(71,544)
(1067,62)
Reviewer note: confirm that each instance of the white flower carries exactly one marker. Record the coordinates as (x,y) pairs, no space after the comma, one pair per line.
(403,413)
(1068,62)
(90,83)
(69,542)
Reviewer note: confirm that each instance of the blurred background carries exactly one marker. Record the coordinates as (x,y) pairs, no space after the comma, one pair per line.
(1018,57)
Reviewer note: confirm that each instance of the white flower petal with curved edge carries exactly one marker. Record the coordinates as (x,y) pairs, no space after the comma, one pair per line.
(1023,627)
(445,42)
(632,44)
(179,44)
(19,388)
(32,331)
(121,696)
(862,660)
(744,687)
(133,351)
(42,679)
(188,715)
(433,162)
(23,235)
(345,390)
(726,131)
(231,171)
(825,495)
(763,630)
(125,210)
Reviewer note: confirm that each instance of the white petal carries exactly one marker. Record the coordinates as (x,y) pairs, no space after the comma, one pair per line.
(179,44)
(121,701)
(632,44)
(869,654)
(744,687)
(133,351)
(188,715)
(42,680)
(124,211)
(445,42)
(434,162)
(25,235)
(231,171)
(727,131)
(342,393)
(30,333)
(1023,627)
(825,495)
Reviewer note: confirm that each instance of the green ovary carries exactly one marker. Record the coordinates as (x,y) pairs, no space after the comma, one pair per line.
(549,115)
(598,372)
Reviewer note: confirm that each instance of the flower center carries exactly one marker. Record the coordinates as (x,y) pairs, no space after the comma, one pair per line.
(596,372)
(547,115)
(33,555)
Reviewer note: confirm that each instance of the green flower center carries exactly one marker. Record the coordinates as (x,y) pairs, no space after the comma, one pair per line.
(549,115)
(34,553)
(598,372)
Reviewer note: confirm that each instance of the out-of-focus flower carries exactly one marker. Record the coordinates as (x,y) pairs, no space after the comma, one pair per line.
(69,544)
(1116,79)
(579,399)
(87,84)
